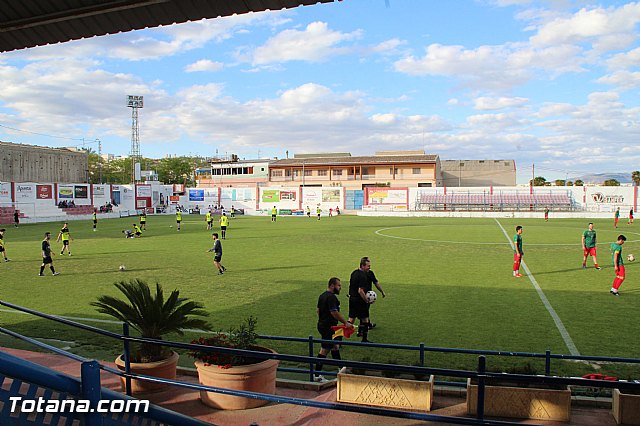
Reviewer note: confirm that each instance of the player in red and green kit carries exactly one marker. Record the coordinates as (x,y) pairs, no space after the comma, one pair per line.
(517,252)
(616,217)
(618,264)
(589,246)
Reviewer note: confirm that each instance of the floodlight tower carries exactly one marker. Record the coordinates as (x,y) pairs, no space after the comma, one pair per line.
(135,102)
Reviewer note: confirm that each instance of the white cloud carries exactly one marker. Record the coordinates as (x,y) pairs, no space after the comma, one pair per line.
(204,65)
(488,103)
(624,60)
(622,80)
(316,43)
(596,25)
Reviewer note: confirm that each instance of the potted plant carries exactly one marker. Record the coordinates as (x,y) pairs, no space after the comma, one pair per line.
(235,372)
(150,314)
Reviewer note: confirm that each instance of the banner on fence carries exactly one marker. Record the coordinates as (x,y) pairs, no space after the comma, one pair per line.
(25,192)
(65,192)
(44,192)
(81,191)
(196,195)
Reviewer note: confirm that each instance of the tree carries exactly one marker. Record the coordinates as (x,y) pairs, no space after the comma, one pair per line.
(538,181)
(635,177)
(578,182)
(559,182)
(569,183)
(611,182)
(176,170)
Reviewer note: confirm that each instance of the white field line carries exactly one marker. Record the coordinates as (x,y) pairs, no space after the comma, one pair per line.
(382,234)
(561,328)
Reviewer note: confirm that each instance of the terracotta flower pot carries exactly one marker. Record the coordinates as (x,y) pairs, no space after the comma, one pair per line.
(165,369)
(260,377)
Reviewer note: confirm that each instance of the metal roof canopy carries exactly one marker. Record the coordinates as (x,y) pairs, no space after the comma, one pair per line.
(30,23)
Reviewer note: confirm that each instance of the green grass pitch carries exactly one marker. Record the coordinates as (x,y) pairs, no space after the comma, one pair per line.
(448,282)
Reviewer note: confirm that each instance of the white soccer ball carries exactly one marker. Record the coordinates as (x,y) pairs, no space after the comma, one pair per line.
(122,268)
(631,258)
(371,296)
(170,226)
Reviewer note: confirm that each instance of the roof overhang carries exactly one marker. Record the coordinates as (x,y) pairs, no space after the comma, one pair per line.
(26,24)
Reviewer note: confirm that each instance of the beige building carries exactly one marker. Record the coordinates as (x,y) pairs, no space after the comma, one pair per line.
(385,168)
(29,163)
(466,173)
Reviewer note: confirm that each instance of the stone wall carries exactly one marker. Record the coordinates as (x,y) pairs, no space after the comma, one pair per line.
(28,163)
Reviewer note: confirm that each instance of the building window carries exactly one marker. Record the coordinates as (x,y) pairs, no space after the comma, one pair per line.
(337,172)
(276,173)
(308,172)
(262,169)
(417,170)
(287,172)
(391,171)
(322,172)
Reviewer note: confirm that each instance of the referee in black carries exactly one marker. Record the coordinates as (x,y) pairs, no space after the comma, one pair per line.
(329,315)
(359,284)
(46,255)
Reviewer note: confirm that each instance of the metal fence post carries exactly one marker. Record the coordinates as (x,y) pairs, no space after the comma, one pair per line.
(547,363)
(421,354)
(482,368)
(90,391)
(127,358)
(310,356)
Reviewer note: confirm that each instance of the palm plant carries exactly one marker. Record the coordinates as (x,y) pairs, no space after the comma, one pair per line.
(151,314)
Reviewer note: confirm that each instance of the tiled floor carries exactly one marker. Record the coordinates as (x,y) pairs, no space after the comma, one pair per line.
(187,402)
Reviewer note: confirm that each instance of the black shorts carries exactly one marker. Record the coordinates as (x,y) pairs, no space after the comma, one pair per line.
(217,258)
(95,221)
(65,242)
(273,215)
(138,234)
(47,260)
(326,333)
(178,222)
(358,308)
(209,222)
(1,249)
(223,228)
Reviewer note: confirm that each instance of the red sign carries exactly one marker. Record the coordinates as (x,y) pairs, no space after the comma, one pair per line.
(174,199)
(44,192)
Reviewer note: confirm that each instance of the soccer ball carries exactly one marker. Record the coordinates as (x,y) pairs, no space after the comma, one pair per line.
(170,226)
(371,296)
(631,258)
(122,268)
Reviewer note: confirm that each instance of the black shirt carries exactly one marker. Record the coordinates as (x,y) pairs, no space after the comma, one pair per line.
(359,279)
(327,303)
(46,248)
(217,248)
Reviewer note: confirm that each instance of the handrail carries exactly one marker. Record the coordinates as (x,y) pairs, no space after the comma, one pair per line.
(483,377)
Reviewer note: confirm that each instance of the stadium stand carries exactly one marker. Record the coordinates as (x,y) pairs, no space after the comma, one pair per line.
(500,201)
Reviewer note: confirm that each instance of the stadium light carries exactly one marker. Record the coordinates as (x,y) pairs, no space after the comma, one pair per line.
(134,102)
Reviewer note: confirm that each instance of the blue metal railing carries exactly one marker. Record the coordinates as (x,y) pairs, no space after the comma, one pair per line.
(481,375)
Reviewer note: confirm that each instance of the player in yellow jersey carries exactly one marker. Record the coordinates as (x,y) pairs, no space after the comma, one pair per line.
(178,218)
(95,219)
(3,250)
(65,236)
(274,214)
(224,222)
(209,219)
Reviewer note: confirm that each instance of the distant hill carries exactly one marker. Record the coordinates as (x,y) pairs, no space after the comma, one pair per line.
(596,178)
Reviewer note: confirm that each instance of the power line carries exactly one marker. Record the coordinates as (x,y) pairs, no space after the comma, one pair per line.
(42,134)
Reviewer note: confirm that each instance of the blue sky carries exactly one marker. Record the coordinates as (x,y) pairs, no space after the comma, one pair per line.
(553,83)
